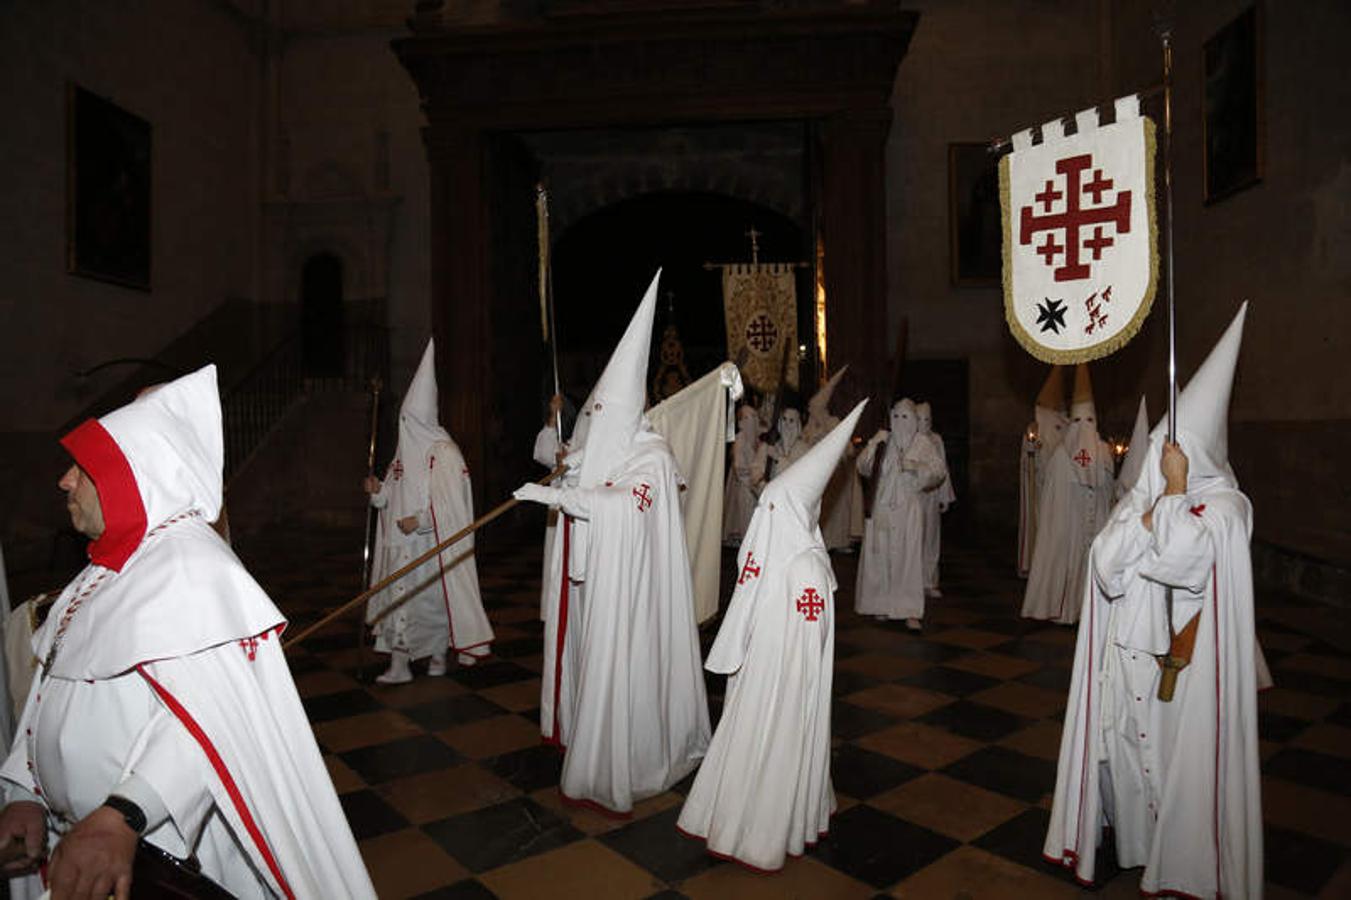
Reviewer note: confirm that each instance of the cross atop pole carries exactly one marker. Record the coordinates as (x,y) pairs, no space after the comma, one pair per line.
(755,244)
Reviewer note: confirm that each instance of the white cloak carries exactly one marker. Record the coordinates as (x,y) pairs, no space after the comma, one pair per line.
(546,454)
(625,696)
(170,679)
(841,503)
(764,789)
(1179,781)
(1073,507)
(891,562)
(745,478)
(445,609)
(1029,487)
(694,423)
(935,502)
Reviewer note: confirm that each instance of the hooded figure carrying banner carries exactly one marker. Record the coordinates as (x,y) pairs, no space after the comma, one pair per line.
(426,496)
(1075,498)
(163,707)
(621,690)
(1171,581)
(891,564)
(1040,439)
(764,789)
(745,476)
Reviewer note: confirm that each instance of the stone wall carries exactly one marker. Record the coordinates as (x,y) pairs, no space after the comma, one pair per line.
(190,69)
(980,68)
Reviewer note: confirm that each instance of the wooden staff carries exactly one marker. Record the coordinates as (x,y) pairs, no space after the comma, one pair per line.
(897,373)
(370,471)
(395,576)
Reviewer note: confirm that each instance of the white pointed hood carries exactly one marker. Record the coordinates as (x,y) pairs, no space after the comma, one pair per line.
(1049,412)
(1136,452)
(160,455)
(790,428)
(785,524)
(819,404)
(924,417)
(1203,417)
(801,485)
(614,411)
(819,419)
(419,430)
(903,425)
(1082,442)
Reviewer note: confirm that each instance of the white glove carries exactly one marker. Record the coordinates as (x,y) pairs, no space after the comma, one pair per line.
(537,493)
(880,437)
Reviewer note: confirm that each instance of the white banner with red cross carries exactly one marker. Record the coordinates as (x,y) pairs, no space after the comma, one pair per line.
(1081,258)
(760,301)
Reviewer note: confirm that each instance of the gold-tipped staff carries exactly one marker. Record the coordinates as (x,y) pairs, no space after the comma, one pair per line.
(366,553)
(385,582)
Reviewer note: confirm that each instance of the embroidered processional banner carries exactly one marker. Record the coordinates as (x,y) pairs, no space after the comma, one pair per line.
(1081,259)
(760,301)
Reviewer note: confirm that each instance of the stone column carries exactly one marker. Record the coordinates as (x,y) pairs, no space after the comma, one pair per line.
(854,231)
(459,289)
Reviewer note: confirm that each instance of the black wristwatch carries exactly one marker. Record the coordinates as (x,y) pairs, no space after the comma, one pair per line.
(133,814)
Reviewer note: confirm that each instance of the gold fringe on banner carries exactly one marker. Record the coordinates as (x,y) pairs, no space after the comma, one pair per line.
(1120,338)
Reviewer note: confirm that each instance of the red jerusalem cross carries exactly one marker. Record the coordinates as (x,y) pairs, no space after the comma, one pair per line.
(1075,217)
(644,498)
(810,604)
(1083,459)
(761,333)
(749,570)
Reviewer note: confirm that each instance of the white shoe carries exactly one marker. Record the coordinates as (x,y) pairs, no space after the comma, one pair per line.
(437,666)
(914,625)
(469,659)
(398,671)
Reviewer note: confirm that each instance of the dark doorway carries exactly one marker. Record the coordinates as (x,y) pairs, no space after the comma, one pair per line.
(321,316)
(943,384)
(604,262)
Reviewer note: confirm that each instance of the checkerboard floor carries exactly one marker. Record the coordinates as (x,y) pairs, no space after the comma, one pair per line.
(945,747)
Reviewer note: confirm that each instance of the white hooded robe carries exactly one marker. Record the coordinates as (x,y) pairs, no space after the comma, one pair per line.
(438,605)
(891,564)
(764,790)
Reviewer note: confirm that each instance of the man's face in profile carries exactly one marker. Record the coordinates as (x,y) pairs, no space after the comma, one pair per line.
(82,502)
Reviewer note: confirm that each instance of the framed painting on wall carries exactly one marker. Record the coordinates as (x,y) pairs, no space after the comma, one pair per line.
(1232,121)
(974,224)
(107,191)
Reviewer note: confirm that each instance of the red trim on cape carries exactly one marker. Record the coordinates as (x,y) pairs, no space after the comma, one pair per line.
(124,521)
(441,577)
(223,773)
(1215,600)
(602,809)
(557,735)
(1070,861)
(742,863)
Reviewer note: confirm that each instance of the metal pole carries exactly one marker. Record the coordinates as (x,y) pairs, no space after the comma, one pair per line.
(1167,36)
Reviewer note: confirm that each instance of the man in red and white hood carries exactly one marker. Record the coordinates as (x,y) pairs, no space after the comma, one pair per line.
(163,706)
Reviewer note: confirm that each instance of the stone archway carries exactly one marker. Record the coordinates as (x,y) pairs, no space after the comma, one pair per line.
(832,69)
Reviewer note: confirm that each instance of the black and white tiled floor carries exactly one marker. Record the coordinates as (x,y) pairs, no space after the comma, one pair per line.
(944,759)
